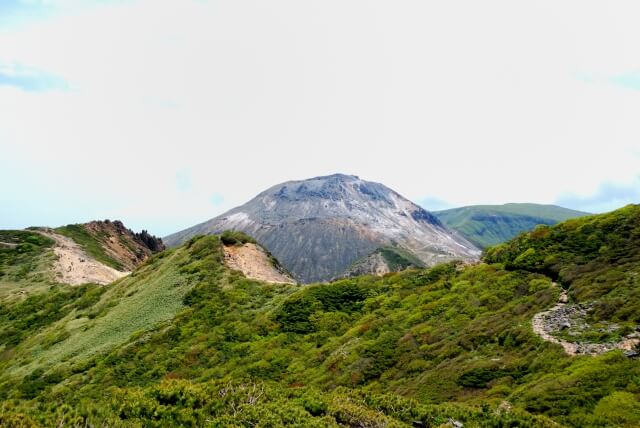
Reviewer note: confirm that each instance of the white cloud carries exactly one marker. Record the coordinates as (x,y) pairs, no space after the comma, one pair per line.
(467,102)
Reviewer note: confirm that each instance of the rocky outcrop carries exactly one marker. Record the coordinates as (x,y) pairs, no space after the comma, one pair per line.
(319,227)
(382,261)
(373,264)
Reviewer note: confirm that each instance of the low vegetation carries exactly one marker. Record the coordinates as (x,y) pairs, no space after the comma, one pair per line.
(25,257)
(184,341)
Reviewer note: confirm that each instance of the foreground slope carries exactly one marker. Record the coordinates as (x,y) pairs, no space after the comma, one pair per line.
(238,353)
(443,345)
(487,225)
(318,227)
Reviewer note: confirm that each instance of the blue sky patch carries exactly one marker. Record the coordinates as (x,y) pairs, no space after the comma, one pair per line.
(31,80)
(628,80)
(434,204)
(183,180)
(609,196)
(217,199)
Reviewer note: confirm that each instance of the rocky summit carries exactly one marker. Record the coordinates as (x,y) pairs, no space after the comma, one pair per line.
(319,227)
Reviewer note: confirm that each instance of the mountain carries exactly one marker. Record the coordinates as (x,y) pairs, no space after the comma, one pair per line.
(544,332)
(487,225)
(318,227)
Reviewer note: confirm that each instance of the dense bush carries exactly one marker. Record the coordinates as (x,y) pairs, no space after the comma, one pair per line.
(345,297)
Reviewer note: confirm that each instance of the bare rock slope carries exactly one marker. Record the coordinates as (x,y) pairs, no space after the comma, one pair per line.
(319,227)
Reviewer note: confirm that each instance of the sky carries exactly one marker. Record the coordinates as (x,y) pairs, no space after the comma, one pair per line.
(165,113)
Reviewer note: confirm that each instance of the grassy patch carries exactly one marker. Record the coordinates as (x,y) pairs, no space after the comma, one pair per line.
(25,259)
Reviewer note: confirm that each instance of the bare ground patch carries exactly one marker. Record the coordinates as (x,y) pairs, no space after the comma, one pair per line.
(254,263)
(74,266)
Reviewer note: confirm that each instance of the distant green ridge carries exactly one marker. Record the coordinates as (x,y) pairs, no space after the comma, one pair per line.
(488,225)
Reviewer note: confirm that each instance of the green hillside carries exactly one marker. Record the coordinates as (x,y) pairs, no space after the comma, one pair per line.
(597,258)
(487,225)
(184,341)
(25,259)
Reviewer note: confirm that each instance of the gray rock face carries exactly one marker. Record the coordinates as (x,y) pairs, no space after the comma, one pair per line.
(318,227)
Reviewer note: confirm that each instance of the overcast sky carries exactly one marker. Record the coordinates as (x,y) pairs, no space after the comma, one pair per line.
(167,113)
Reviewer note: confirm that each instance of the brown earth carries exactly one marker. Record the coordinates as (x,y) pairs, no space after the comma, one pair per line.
(74,266)
(122,244)
(254,262)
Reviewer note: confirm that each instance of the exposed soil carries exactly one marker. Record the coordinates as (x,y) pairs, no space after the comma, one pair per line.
(562,315)
(254,263)
(122,244)
(8,244)
(73,266)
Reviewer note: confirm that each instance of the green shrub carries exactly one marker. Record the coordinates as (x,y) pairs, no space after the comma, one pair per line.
(233,237)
